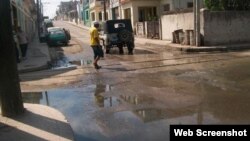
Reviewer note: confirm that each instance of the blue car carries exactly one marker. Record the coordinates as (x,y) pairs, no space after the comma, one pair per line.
(57,36)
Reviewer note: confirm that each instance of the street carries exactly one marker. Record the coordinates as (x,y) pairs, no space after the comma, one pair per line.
(136,97)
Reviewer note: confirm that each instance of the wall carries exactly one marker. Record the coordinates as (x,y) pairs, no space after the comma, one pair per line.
(226,27)
(217,28)
(173,22)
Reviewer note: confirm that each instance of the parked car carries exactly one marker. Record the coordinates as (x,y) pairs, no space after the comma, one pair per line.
(118,33)
(58,36)
(48,23)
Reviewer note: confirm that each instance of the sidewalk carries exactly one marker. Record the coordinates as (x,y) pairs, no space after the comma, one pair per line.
(185,48)
(38,123)
(37,57)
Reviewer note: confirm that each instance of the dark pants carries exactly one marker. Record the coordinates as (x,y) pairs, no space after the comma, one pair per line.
(98,52)
(17,53)
(23,48)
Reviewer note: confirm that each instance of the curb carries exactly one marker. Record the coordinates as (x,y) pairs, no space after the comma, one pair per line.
(218,48)
(177,47)
(39,68)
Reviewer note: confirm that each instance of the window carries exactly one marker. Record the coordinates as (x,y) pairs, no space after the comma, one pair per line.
(147,14)
(93,16)
(190,5)
(100,16)
(166,7)
(127,13)
(119,25)
(87,15)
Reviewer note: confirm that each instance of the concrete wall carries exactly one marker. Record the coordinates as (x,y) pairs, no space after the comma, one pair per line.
(226,27)
(217,28)
(173,22)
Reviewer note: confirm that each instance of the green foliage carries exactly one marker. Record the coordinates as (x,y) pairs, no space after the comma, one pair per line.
(218,5)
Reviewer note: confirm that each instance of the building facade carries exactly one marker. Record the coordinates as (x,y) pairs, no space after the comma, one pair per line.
(140,10)
(86,13)
(115,9)
(24,16)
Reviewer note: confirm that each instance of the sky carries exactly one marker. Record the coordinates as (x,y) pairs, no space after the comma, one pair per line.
(50,7)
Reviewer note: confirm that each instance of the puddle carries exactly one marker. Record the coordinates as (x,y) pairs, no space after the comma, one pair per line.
(142,51)
(136,51)
(95,115)
(152,114)
(36,98)
(137,99)
(61,63)
(81,62)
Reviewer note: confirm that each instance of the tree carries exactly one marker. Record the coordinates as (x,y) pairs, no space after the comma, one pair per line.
(10,92)
(229,5)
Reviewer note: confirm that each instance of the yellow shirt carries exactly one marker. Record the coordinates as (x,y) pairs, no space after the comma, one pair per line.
(94,34)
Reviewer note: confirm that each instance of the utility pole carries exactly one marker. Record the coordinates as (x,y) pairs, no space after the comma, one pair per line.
(10,93)
(197,22)
(104,8)
(38,17)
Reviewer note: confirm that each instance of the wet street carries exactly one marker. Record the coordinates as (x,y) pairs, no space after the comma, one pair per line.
(136,97)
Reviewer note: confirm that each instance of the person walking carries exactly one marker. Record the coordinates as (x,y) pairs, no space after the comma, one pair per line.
(95,44)
(23,42)
(16,45)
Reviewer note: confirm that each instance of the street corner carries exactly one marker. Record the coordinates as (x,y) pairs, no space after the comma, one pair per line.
(38,122)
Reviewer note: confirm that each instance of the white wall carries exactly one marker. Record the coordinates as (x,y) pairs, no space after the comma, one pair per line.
(217,28)
(173,22)
(220,28)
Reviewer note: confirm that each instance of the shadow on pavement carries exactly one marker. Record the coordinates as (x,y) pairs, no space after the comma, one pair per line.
(43,123)
(44,74)
(10,133)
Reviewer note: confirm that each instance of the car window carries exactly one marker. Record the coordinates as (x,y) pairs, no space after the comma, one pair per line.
(119,25)
(57,32)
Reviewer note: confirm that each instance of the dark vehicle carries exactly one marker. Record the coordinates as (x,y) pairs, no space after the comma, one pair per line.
(57,36)
(118,33)
(48,23)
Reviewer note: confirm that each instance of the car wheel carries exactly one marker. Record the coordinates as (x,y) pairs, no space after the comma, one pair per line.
(66,43)
(130,48)
(121,50)
(107,51)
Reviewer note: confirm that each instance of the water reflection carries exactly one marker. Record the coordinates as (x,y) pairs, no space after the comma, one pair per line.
(102,101)
(137,99)
(99,99)
(151,114)
(36,98)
